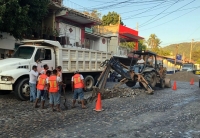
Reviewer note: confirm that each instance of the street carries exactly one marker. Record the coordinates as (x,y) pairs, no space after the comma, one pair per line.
(167,113)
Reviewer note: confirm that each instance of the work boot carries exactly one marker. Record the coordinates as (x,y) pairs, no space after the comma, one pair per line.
(52,107)
(43,102)
(35,105)
(58,107)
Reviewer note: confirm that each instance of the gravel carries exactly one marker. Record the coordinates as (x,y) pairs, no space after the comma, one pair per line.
(166,113)
(183,76)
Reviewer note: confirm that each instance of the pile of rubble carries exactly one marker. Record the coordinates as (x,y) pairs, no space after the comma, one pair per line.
(120,92)
(183,76)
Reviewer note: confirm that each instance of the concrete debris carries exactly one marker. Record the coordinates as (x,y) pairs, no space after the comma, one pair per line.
(120,92)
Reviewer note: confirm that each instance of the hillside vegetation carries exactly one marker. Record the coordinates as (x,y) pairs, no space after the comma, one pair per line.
(184,48)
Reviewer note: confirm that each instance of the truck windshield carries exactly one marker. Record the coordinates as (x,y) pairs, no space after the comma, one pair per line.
(24,52)
(187,66)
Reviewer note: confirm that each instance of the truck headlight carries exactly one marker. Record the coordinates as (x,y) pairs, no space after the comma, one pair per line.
(6,78)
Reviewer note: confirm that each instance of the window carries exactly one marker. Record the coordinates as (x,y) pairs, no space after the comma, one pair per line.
(47,54)
(24,52)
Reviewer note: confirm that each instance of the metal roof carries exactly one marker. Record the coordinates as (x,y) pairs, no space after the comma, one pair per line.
(49,42)
(78,17)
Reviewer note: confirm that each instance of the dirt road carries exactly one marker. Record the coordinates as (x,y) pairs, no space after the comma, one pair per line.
(167,113)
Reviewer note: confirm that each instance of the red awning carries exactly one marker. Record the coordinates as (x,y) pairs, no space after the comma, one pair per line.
(131,36)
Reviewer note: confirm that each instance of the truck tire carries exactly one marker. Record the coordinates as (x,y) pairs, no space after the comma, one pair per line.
(89,82)
(130,83)
(22,89)
(150,77)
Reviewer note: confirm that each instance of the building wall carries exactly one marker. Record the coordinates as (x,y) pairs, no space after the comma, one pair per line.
(7,41)
(7,45)
(71,32)
(113,45)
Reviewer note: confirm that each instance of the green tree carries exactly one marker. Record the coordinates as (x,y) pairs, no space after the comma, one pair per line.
(142,45)
(130,45)
(21,16)
(94,14)
(112,18)
(153,42)
(196,56)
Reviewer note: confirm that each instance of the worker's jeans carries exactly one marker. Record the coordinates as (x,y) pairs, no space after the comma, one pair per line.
(32,91)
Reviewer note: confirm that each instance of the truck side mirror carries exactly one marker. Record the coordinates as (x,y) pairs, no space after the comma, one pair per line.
(42,54)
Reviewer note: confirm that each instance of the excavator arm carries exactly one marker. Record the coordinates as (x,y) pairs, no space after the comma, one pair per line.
(120,68)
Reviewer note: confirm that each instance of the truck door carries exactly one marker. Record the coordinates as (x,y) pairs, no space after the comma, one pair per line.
(49,59)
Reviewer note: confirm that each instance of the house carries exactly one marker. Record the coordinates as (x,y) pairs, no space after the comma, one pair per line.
(118,34)
(74,29)
(169,63)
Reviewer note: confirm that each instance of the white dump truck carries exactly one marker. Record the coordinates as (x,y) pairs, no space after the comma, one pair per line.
(14,72)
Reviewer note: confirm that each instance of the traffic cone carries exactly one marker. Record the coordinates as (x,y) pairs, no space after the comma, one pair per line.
(174,86)
(98,103)
(192,81)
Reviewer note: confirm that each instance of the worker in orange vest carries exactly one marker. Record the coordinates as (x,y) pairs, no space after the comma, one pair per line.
(77,84)
(53,83)
(42,88)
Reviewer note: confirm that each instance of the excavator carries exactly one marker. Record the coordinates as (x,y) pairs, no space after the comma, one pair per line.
(150,74)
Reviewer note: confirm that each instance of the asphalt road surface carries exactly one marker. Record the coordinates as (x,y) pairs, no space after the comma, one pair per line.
(167,113)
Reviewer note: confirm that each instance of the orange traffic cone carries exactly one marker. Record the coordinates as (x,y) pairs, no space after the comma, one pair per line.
(174,86)
(192,81)
(98,103)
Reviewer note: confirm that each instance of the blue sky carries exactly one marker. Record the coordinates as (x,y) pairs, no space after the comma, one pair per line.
(173,21)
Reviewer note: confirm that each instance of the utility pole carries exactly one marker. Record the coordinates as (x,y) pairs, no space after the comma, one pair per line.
(191,46)
(176,52)
(137,26)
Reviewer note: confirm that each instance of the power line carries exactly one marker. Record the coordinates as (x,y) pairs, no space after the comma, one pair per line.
(169,13)
(129,5)
(194,31)
(172,19)
(160,13)
(145,10)
(141,9)
(126,2)
(166,12)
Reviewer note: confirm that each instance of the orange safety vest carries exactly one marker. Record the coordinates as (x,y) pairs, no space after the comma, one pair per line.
(53,84)
(77,81)
(41,82)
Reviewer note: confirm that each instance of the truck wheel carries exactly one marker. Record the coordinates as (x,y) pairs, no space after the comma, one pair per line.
(130,83)
(22,89)
(150,77)
(89,82)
